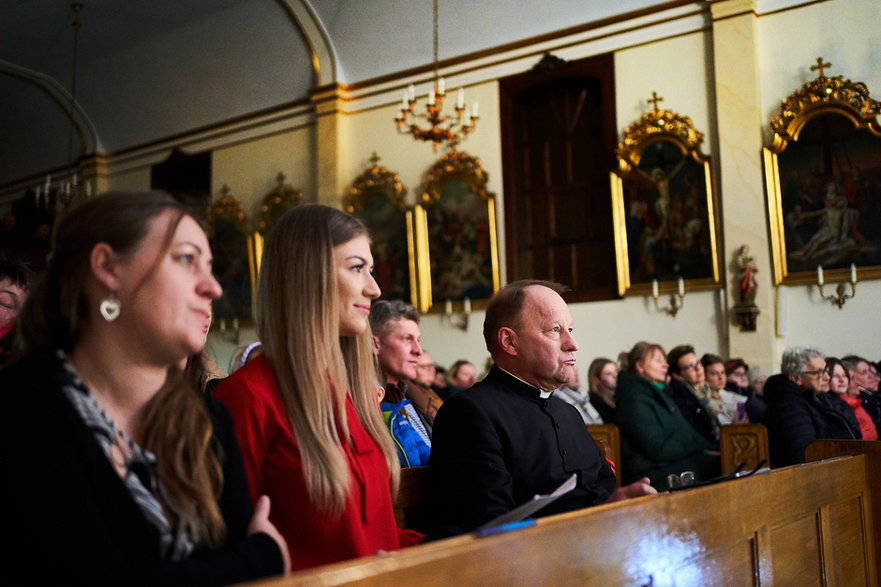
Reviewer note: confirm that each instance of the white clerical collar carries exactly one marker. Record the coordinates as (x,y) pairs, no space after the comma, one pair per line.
(541,393)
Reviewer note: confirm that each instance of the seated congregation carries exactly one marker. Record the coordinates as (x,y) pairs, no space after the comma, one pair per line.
(151,467)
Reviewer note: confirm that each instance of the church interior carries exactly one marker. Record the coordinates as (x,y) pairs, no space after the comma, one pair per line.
(299,99)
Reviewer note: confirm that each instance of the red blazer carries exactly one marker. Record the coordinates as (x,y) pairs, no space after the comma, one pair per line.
(273,465)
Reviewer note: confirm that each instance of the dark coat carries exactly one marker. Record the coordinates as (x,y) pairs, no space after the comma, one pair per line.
(692,409)
(656,439)
(73,519)
(498,444)
(795,418)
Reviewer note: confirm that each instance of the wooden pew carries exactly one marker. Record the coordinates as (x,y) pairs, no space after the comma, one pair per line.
(609,438)
(410,506)
(743,443)
(810,524)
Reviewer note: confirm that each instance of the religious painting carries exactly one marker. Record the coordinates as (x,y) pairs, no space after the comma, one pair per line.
(823,177)
(663,206)
(229,239)
(377,197)
(456,235)
(282,198)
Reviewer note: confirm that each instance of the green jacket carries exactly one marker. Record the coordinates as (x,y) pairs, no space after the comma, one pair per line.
(656,439)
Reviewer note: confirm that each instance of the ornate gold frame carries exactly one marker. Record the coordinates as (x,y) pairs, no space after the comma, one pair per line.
(228,211)
(660,125)
(455,165)
(379,179)
(817,97)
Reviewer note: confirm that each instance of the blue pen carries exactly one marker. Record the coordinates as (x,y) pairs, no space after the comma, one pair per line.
(509,527)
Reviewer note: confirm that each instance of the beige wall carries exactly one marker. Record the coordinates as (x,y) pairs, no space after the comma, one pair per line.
(679,59)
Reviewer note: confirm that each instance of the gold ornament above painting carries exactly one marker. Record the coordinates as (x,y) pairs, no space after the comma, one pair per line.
(663,206)
(378,198)
(823,182)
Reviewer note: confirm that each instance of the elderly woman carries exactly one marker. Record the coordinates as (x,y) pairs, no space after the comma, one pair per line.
(118,470)
(656,439)
(305,409)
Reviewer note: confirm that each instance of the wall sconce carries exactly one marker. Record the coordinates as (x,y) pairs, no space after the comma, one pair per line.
(229,335)
(677,299)
(840,297)
(458,319)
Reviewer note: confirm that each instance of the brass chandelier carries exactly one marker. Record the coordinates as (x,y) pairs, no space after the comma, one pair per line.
(443,128)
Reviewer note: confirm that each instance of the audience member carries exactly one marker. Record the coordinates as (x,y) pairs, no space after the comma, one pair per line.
(602,378)
(737,372)
(396,337)
(509,438)
(134,476)
(733,407)
(840,388)
(14,283)
(794,416)
(423,386)
(574,394)
(461,376)
(656,439)
(692,394)
(866,405)
(305,410)
(244,355)
(440,381)
(874,378)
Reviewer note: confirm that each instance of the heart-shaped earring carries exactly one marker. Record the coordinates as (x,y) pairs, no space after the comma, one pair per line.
(110,308)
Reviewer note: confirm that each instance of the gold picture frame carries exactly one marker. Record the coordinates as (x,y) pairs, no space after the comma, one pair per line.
(456,236)
(663,206)
(821,171)
(233,264)
(378,198)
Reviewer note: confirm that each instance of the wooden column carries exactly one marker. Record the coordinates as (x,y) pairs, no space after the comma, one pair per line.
(330,143)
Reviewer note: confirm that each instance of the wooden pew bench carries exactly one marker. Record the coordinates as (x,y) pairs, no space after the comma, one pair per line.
(811,524)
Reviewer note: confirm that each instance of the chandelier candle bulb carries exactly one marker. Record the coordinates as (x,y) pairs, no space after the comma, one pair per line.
(441,86)
(474,110)
(431,97)
(449,307)
(460,99)
(655,288)
(681,287)
(853,273)
(820,275)
(467,305)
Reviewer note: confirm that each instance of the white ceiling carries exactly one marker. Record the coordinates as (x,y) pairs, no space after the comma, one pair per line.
(151,70)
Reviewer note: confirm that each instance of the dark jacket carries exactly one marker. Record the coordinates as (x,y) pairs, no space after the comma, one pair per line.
(694,411)
(872,405)
(795,418)
(656,439)
(498,444)
(73,519)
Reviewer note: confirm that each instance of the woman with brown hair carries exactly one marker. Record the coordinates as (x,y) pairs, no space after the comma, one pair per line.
(119,470)
(305,410)
(656,439)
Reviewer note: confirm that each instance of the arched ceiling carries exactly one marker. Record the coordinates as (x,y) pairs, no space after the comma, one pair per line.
(148,71)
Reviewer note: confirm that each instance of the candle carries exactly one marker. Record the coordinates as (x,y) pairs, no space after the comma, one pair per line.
(48,183)
(431,97)
(460,99)
(449,307)
(819,275)
(681,287)
(474,110)
(467,306)
(74,180)
(404,103)
(853,273)
(441,86)
(654,288)
(411,90)
(235,323)
(88,189)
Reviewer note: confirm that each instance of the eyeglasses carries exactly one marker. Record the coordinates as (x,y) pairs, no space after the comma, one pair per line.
(817,373)
(689,367)
(738,373)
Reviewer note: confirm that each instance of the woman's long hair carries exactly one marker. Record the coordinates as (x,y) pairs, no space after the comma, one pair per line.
(315,368)
(176,426)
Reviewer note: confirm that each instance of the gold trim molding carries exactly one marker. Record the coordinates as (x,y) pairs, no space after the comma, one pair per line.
(375,176)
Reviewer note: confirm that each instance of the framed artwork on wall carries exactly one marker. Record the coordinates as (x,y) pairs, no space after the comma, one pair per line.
(377,197)
(456,237)
(230,243)
(823,182)
(663,206)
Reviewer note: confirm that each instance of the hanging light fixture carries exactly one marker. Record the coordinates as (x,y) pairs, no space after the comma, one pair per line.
(72,189)
(443,129)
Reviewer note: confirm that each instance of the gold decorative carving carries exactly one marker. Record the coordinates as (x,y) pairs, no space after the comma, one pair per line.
(281,199)
(375,177)
(821,95)
(656,123)
(460,165)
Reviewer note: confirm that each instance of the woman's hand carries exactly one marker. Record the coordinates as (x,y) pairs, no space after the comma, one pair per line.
(260,523)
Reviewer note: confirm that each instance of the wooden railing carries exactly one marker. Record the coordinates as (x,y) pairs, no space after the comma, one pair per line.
(811,524)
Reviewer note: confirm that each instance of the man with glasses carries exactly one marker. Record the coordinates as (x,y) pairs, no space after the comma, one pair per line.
(691,392)
(796,414)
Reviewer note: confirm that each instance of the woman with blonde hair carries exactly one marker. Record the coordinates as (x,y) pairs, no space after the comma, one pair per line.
(305,410)
(118,470)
